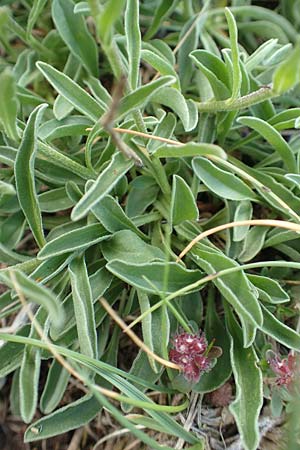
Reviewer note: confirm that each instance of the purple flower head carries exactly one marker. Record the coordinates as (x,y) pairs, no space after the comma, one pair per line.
(284,369)
(189,353)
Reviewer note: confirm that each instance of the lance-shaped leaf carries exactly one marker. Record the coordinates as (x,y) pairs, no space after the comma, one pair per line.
(83,307)
(183,204)
(133,41)
(248,379)
(74,240)
(71,91)
(24,173)
(190,149)
(151,277)
(37,293)
(73,30)
(8,104)
(274,138)
(222,183)
(107,179)
(55,386)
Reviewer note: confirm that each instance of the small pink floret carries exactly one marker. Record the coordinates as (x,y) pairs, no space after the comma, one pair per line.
(189,353)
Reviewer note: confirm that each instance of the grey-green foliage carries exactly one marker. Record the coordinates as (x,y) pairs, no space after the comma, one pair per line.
(86,87)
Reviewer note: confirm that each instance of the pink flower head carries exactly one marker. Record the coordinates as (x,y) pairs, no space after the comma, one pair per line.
(189,353)
(284,369)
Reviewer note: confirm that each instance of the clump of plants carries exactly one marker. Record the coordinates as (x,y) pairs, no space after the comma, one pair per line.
(149,217)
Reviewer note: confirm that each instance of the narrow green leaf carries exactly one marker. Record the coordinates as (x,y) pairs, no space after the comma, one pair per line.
(55,386)
(271,287)
(183,204)
(70,90)
(107,179)
(6,188)
(83,307)
(161,11)
(138,275)
(253,243)
(133,41)
(234,287)
(39,294)
(236,71)
(126,246)
(74,240)
(185,109)
(190,149)
(54,200)
(279,331)
(274,138)
(113,218)
(136,99)
(30,371)
(69,417)
(73,31)
(35,12)
(215,330)
(215,71)
(222,183)
(248,379)
(160,64)
(8,104)
(11,353)
(70,126)
(24,173)
(287,74)
(243,212)
(29,377)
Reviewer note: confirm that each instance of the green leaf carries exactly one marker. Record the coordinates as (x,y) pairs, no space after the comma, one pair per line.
(24,173)
(236,71)
(69,417)
(279,331)
(6,188)
(113,218)
(136,99)
(11,353)
(70,90)
(107,179)
(183,204)
(185,109)
(190,149)
(253,243)
(126,246)
(234,287)
(8,104)
(274,138)
(73,31)
(39,294)
(215,71)
(83,307)
(243,212)
(133,41)
(54,200)
(271,287)
(74,240)
(109,14)
(138,275)
(215,330)
(30,371)
(162,9)
(35,12)
(220,182)
(54,388)
(287,74)
(248,379)
(160,65)
(70,126)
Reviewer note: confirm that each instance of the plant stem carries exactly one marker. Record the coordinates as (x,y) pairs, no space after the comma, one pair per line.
(253,98)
